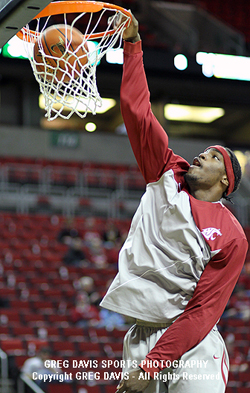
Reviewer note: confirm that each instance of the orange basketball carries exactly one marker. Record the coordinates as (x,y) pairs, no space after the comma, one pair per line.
(63,50)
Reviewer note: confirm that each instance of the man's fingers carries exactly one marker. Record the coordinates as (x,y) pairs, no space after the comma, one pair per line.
(117,21)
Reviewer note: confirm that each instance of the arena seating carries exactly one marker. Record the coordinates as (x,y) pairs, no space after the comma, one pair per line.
(69,188)
(234,13)
(39,299)
(69,174)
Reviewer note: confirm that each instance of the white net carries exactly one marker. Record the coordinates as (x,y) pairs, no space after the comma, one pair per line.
(68,83)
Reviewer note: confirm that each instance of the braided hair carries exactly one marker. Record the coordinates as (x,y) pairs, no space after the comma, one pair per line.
(237,172)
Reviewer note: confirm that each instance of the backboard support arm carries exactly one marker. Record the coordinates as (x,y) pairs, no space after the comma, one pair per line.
(15,14)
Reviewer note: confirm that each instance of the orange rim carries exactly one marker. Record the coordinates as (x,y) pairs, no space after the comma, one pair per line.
(67,7)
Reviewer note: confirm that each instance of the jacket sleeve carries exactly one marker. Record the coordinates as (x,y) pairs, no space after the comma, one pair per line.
(204,309)
(148,139)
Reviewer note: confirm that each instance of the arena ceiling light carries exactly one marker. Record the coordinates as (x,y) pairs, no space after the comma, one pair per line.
(197,114)
(107,104)
(224,66)
(90,127)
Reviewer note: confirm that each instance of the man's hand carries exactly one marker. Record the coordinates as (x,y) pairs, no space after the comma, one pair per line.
(138,381)
(131,33)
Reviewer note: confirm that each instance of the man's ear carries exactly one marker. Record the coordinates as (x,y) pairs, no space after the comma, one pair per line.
(225,181)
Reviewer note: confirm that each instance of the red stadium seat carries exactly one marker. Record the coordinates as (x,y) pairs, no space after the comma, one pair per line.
(89,389)
(58,319)
(5,331)
(34,319)
(23,331)
(111,388)
(36,343)
(11,315)
(19,304)
(101,335)
(115,348)
(72,332)
(64,348)
(19,360)
(118,334)
(242,390)
(90,349)
(60,387)
(13,346)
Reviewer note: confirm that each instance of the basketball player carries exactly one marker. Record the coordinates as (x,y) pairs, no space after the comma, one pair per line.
(182,257)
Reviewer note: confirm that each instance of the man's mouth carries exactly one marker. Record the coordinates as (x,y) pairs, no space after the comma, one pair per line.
(196,162)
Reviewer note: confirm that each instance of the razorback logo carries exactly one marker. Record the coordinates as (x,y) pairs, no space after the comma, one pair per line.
(211,233)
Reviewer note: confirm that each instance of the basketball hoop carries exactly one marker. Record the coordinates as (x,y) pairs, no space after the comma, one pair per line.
(74,92)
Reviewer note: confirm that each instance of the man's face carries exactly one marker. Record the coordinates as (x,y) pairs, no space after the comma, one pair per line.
(206,171)
(45,356)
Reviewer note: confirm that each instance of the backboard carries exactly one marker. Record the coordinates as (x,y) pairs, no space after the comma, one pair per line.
(15,14)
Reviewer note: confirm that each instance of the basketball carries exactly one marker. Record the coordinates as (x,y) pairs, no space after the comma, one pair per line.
(59,53)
